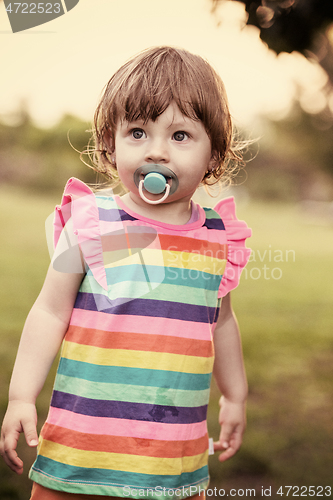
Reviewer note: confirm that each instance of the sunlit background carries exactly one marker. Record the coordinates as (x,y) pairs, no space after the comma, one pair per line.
(280,94)
(62,66)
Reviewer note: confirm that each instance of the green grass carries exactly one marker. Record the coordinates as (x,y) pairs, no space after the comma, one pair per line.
(23,263)
(287,327)
(286,323)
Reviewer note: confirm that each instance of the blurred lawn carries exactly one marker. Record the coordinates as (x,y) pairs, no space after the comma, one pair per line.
(284,307)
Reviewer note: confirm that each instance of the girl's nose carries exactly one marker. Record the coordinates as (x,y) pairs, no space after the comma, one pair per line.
(157,152)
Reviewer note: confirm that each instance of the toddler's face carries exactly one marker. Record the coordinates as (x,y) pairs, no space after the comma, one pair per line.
(172,140)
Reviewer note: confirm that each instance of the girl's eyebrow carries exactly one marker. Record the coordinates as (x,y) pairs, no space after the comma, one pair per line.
(130,122)
(181,123)
(178,123)
(134,122)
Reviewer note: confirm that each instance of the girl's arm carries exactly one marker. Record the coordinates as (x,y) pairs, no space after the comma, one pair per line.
(230,377)
(41,338)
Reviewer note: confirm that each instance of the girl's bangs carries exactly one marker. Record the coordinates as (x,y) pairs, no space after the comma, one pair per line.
(147,96)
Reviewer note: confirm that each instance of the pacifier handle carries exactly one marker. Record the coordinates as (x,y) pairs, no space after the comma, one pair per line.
(153,202)
(154,168)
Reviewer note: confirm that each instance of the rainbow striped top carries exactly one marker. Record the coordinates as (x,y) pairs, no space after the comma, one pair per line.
(128,411)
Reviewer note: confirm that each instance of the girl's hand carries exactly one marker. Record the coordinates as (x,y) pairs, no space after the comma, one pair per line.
(20,417)
(233,422)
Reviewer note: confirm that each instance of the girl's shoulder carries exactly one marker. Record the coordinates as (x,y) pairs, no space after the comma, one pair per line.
(226,210)
(237,232)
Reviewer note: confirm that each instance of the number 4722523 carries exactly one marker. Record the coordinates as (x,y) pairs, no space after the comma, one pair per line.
(305,491)
(33,8)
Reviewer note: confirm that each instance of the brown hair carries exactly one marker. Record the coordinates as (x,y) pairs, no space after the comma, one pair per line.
(144,87)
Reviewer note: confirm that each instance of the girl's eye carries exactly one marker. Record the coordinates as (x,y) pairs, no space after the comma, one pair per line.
(138,133)
(180,136)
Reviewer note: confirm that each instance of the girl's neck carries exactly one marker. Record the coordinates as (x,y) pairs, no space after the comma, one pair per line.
(176,212)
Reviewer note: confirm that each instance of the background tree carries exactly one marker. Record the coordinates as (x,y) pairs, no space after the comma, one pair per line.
(294,25)
(299,147)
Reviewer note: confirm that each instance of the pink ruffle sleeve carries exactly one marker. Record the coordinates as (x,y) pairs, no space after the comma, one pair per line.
(78,202)
(238,255)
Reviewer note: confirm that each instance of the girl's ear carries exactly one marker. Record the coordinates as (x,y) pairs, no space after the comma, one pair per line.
(108,140)
(109,145)
(212,162)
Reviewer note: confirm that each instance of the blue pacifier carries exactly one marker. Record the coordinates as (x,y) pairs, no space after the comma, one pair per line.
(155,179)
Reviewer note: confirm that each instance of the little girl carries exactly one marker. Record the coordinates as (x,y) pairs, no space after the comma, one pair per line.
(134,293)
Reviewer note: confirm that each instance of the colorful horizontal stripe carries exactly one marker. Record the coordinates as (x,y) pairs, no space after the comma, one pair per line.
(124,427)
(128,410)
(115,214)
(213,220)
(158,291)
(64,473)
(166,327)
(132,445)
(133,239)
(137,359)
(130,393)
(146,307)
(169,275)
(130,399)
(119,461)
(133,376)
(139,342)
(207,262)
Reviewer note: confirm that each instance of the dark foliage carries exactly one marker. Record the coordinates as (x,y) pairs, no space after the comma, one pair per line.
(293,25)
